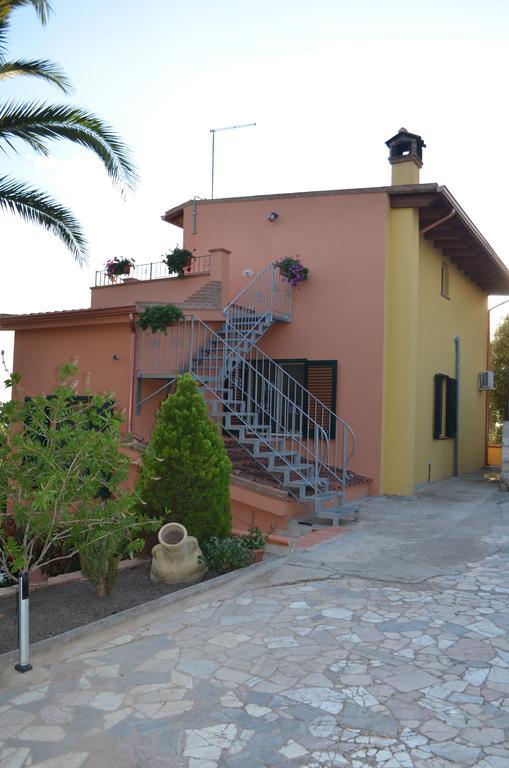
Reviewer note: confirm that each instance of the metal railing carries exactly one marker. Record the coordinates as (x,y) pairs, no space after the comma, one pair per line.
(266,298)
(155,270)
(268,409)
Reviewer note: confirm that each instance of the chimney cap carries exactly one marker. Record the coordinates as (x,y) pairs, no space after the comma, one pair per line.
(405,146)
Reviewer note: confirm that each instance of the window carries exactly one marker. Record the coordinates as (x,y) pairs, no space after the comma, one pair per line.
(444,280)
(319,377)
(444,416)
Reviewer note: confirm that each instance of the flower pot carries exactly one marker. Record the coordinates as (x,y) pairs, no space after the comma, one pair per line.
(258,555)
(175,559)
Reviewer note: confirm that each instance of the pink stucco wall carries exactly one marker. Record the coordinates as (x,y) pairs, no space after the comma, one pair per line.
(339,312)
(38,354)
(138,291)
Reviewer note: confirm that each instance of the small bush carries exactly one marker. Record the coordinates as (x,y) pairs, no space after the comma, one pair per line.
(186,471)
(223,555)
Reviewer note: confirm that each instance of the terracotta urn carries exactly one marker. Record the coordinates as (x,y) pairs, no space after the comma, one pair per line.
(175,558)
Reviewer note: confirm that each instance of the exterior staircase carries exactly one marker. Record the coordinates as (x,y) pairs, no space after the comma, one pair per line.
(291,434)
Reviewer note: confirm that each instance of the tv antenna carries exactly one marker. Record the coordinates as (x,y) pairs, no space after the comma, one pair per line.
(213,131)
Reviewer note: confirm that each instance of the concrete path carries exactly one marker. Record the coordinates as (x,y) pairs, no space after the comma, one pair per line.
(387,647)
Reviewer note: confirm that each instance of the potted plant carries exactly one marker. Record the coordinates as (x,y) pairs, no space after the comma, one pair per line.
(256,543)
(117,267)
(292,270)
(178,261)
(158,317)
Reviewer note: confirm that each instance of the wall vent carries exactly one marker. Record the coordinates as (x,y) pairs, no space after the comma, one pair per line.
(486,380)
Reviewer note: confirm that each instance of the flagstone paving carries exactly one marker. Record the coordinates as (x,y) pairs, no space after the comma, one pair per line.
(327,671)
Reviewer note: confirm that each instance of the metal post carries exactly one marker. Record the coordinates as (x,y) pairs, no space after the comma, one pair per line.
(23,628)
(213,132)
(191,342)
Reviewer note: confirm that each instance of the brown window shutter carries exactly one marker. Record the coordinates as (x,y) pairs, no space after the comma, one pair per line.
(321,382)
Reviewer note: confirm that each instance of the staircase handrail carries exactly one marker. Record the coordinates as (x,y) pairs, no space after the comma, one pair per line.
(259,299)
(262,355)
(325,462)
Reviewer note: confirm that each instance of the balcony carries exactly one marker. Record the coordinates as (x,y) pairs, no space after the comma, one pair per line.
(155,270)
(204,286)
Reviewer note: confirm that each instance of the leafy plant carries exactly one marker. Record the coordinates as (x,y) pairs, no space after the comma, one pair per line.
(39,124)
(292,270)
(229,554)
(499,398)
(158,317)
(256,539)
(115,267)
(178,261)
(186,471)
(63,475)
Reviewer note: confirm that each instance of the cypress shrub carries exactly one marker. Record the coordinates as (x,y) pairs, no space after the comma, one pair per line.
(186,471)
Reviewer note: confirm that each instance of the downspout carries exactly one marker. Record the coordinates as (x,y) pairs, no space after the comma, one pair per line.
(457,346)
(436,223)
(194,214)
(132,365)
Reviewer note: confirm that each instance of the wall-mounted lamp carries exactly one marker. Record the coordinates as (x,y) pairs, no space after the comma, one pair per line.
(273,216)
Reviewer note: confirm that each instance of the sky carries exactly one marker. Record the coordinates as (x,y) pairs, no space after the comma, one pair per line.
(326,82)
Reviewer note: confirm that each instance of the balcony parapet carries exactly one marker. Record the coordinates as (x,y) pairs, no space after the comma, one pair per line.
(155,270)
(204,287)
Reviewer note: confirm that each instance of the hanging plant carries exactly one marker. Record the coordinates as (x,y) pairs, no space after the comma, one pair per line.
(178,261)
(292,270)
(115,267)
(158,317)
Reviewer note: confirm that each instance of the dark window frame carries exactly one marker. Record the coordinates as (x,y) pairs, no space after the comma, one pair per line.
(444,407)
(307,363)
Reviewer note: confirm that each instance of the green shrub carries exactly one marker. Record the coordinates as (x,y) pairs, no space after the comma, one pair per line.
(186,470)
(63,474)
(159,316)
(223,555)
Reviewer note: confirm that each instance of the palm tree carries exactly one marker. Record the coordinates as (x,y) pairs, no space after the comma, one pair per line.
(37,124)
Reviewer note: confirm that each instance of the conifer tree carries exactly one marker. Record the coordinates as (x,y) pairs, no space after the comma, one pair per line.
(186,471)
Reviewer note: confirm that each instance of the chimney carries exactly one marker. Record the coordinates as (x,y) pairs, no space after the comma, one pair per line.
(405,156)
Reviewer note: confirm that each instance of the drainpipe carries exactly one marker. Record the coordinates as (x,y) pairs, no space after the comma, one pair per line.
(436,223)
(457,346)
(194,214)
(132,365)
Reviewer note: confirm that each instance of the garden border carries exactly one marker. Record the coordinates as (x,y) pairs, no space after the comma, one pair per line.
(59,643)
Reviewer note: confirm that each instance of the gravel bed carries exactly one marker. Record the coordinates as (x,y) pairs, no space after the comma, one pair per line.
(55,609)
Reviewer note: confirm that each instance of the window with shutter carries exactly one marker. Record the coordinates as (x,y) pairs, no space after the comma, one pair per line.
(451,395)
(319,377)
(444,411)
(321,381)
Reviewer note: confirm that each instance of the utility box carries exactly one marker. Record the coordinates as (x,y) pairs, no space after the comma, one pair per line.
(486,380)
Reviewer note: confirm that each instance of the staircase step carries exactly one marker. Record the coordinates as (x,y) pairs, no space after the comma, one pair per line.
(290,467)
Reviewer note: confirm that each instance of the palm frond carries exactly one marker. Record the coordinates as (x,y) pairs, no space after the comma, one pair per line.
(41,7)
(36,123)
(36,207)
(41,68)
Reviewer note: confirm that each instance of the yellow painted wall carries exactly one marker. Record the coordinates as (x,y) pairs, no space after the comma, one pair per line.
(464,314)
(400,351)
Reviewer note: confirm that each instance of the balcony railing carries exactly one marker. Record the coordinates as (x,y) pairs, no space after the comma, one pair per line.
(155,270)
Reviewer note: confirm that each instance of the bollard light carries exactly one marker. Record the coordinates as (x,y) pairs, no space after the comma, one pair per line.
(23,626)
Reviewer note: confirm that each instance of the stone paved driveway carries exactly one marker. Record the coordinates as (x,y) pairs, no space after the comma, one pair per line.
(325,670)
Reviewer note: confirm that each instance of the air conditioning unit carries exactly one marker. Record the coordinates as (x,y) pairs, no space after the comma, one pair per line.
(486,380)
